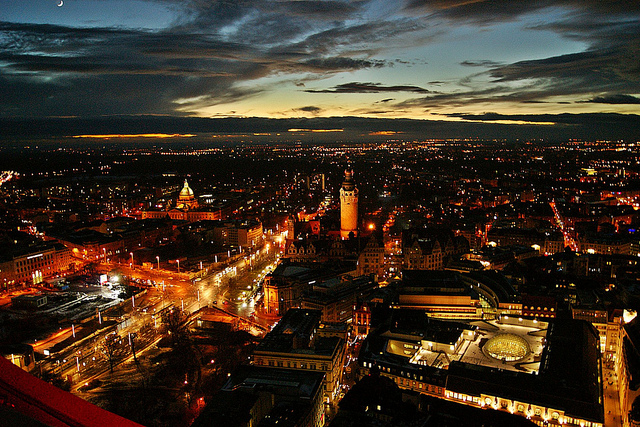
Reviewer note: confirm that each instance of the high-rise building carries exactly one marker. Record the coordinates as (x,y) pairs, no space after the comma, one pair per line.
(348,206)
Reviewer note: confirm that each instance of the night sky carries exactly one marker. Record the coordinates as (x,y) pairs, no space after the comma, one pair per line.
(500,61)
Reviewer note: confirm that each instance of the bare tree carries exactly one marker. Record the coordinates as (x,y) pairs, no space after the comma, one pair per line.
(108,347)
(187,355)
(132,342)
(176,323)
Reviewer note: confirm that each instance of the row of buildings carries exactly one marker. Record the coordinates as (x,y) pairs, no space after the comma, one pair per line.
(26,260)
(29,260)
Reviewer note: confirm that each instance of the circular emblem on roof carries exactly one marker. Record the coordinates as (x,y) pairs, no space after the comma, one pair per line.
(507,348)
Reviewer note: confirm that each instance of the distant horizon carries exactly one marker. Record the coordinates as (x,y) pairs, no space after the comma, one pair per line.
(593,126)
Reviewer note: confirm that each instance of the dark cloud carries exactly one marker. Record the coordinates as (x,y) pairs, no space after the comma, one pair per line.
(482,63)
(359,38)
(629,121)
(213,48)
(316,9)
(200,60)
(460,98)
(491,11)
(310,109)
(616,99)
(70,64)
(536,81)
(480,11)
(339,64)
(356,87)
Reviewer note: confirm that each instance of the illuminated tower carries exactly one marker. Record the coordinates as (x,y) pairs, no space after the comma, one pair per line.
(291,228)
(348,206)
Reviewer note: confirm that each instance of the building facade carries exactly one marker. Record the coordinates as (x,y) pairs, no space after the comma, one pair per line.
(297,343)
(188,209)
(524,367)
(33,264)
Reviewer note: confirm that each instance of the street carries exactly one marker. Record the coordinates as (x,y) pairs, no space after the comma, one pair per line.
(232,289)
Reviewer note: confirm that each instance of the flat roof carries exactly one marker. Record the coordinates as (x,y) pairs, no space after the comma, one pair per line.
(560,372)
(281,382)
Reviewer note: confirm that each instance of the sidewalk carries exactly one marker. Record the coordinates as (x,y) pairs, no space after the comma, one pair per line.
(612,413)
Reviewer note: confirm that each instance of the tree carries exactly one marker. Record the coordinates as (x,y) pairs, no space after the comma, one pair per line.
(186,355)
(56,379)
(175,322)
(108,348)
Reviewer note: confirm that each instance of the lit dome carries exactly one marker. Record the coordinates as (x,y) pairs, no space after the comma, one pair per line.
(507,347)
(186,198)
(186,192)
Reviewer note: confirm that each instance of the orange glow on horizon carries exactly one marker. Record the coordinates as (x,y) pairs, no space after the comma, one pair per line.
(139,135)
(315,130)
(511,122)
(384,133)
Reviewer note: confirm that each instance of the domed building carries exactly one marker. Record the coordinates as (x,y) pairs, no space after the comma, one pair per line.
(186,198)
(188,209)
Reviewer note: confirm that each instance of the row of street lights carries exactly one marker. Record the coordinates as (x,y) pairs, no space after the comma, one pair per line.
(132,263)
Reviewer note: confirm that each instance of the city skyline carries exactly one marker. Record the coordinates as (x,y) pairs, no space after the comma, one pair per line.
(546,64)
(193,268)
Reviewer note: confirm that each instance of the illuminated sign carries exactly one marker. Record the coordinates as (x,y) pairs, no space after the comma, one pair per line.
(34,256)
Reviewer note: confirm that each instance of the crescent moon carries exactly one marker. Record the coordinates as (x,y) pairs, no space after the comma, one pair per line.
(61,3)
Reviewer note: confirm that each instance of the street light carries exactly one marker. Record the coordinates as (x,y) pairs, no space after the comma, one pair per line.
(158,259)
(131,253)
(178,261)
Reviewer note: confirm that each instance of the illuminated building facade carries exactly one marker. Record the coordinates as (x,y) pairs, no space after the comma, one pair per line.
(604,244)
(20,355)
(348,206)
(429,248)
(627,367)
(525,367)
(336,297)
(285,287)
(371,259)
(423,255)
(361,322)
(546,242)
(33,264)
(453,295)
(297,343)
(188,209)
